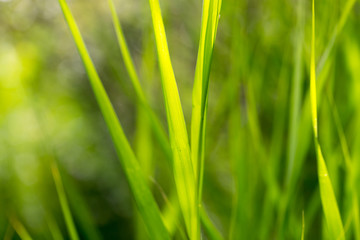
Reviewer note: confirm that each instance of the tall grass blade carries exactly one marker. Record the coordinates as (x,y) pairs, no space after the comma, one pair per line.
(155,122)
(183,170)
(129,64)
(209,23)
(63,201)
(328,199)
(143,151)
(80,208)
(130,67)
(339,26)
(350,168)
(145,202)
(296,90)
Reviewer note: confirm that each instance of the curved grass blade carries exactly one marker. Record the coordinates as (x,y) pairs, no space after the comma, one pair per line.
(129,64)
(209,23)
(183,169)
(339,26)
(305,118)
(130,67)
(80,208)
(63,201)
(350,168)
(328,199)
(145,202)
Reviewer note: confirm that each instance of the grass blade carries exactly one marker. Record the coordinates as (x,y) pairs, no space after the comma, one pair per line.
(296,90)
(183,170)
(212,232)
(350,168)
(339,26)
(145,202)
(209,23)
(53,228)
(80,208)
(155,122)
(328,199)
(130,67)
(63,201)
(129,63)
(19,228)
(302,226)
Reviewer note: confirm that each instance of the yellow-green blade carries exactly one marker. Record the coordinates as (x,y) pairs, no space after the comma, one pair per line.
(183,169)
(155,122)
(129,64)
(145,202)
(63,201)
(350,168)
(328,199)
(339,26)
(209,23)
(302,226)
(130,67)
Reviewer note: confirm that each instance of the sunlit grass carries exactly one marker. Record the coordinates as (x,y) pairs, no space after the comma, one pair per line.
(144,200)
(230,120)
(328,199)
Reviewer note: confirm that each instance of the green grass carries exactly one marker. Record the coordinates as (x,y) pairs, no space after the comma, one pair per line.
(209,24)
(184,174)
(144,200)
(64,202)
(328,199)
(230,120)
(19,228)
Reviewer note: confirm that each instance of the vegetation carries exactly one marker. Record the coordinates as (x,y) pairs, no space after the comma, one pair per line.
(254,134)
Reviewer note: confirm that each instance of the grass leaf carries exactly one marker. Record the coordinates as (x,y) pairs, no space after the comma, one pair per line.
(63,201)
(130,67)
(212,232)
(145,202)
(328,199)
(209,23)
(19,228)
(296,90)
(350,168)
(339,26)
(302,226)
(183,169)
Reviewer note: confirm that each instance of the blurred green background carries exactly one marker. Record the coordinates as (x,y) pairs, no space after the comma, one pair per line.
(261,60)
